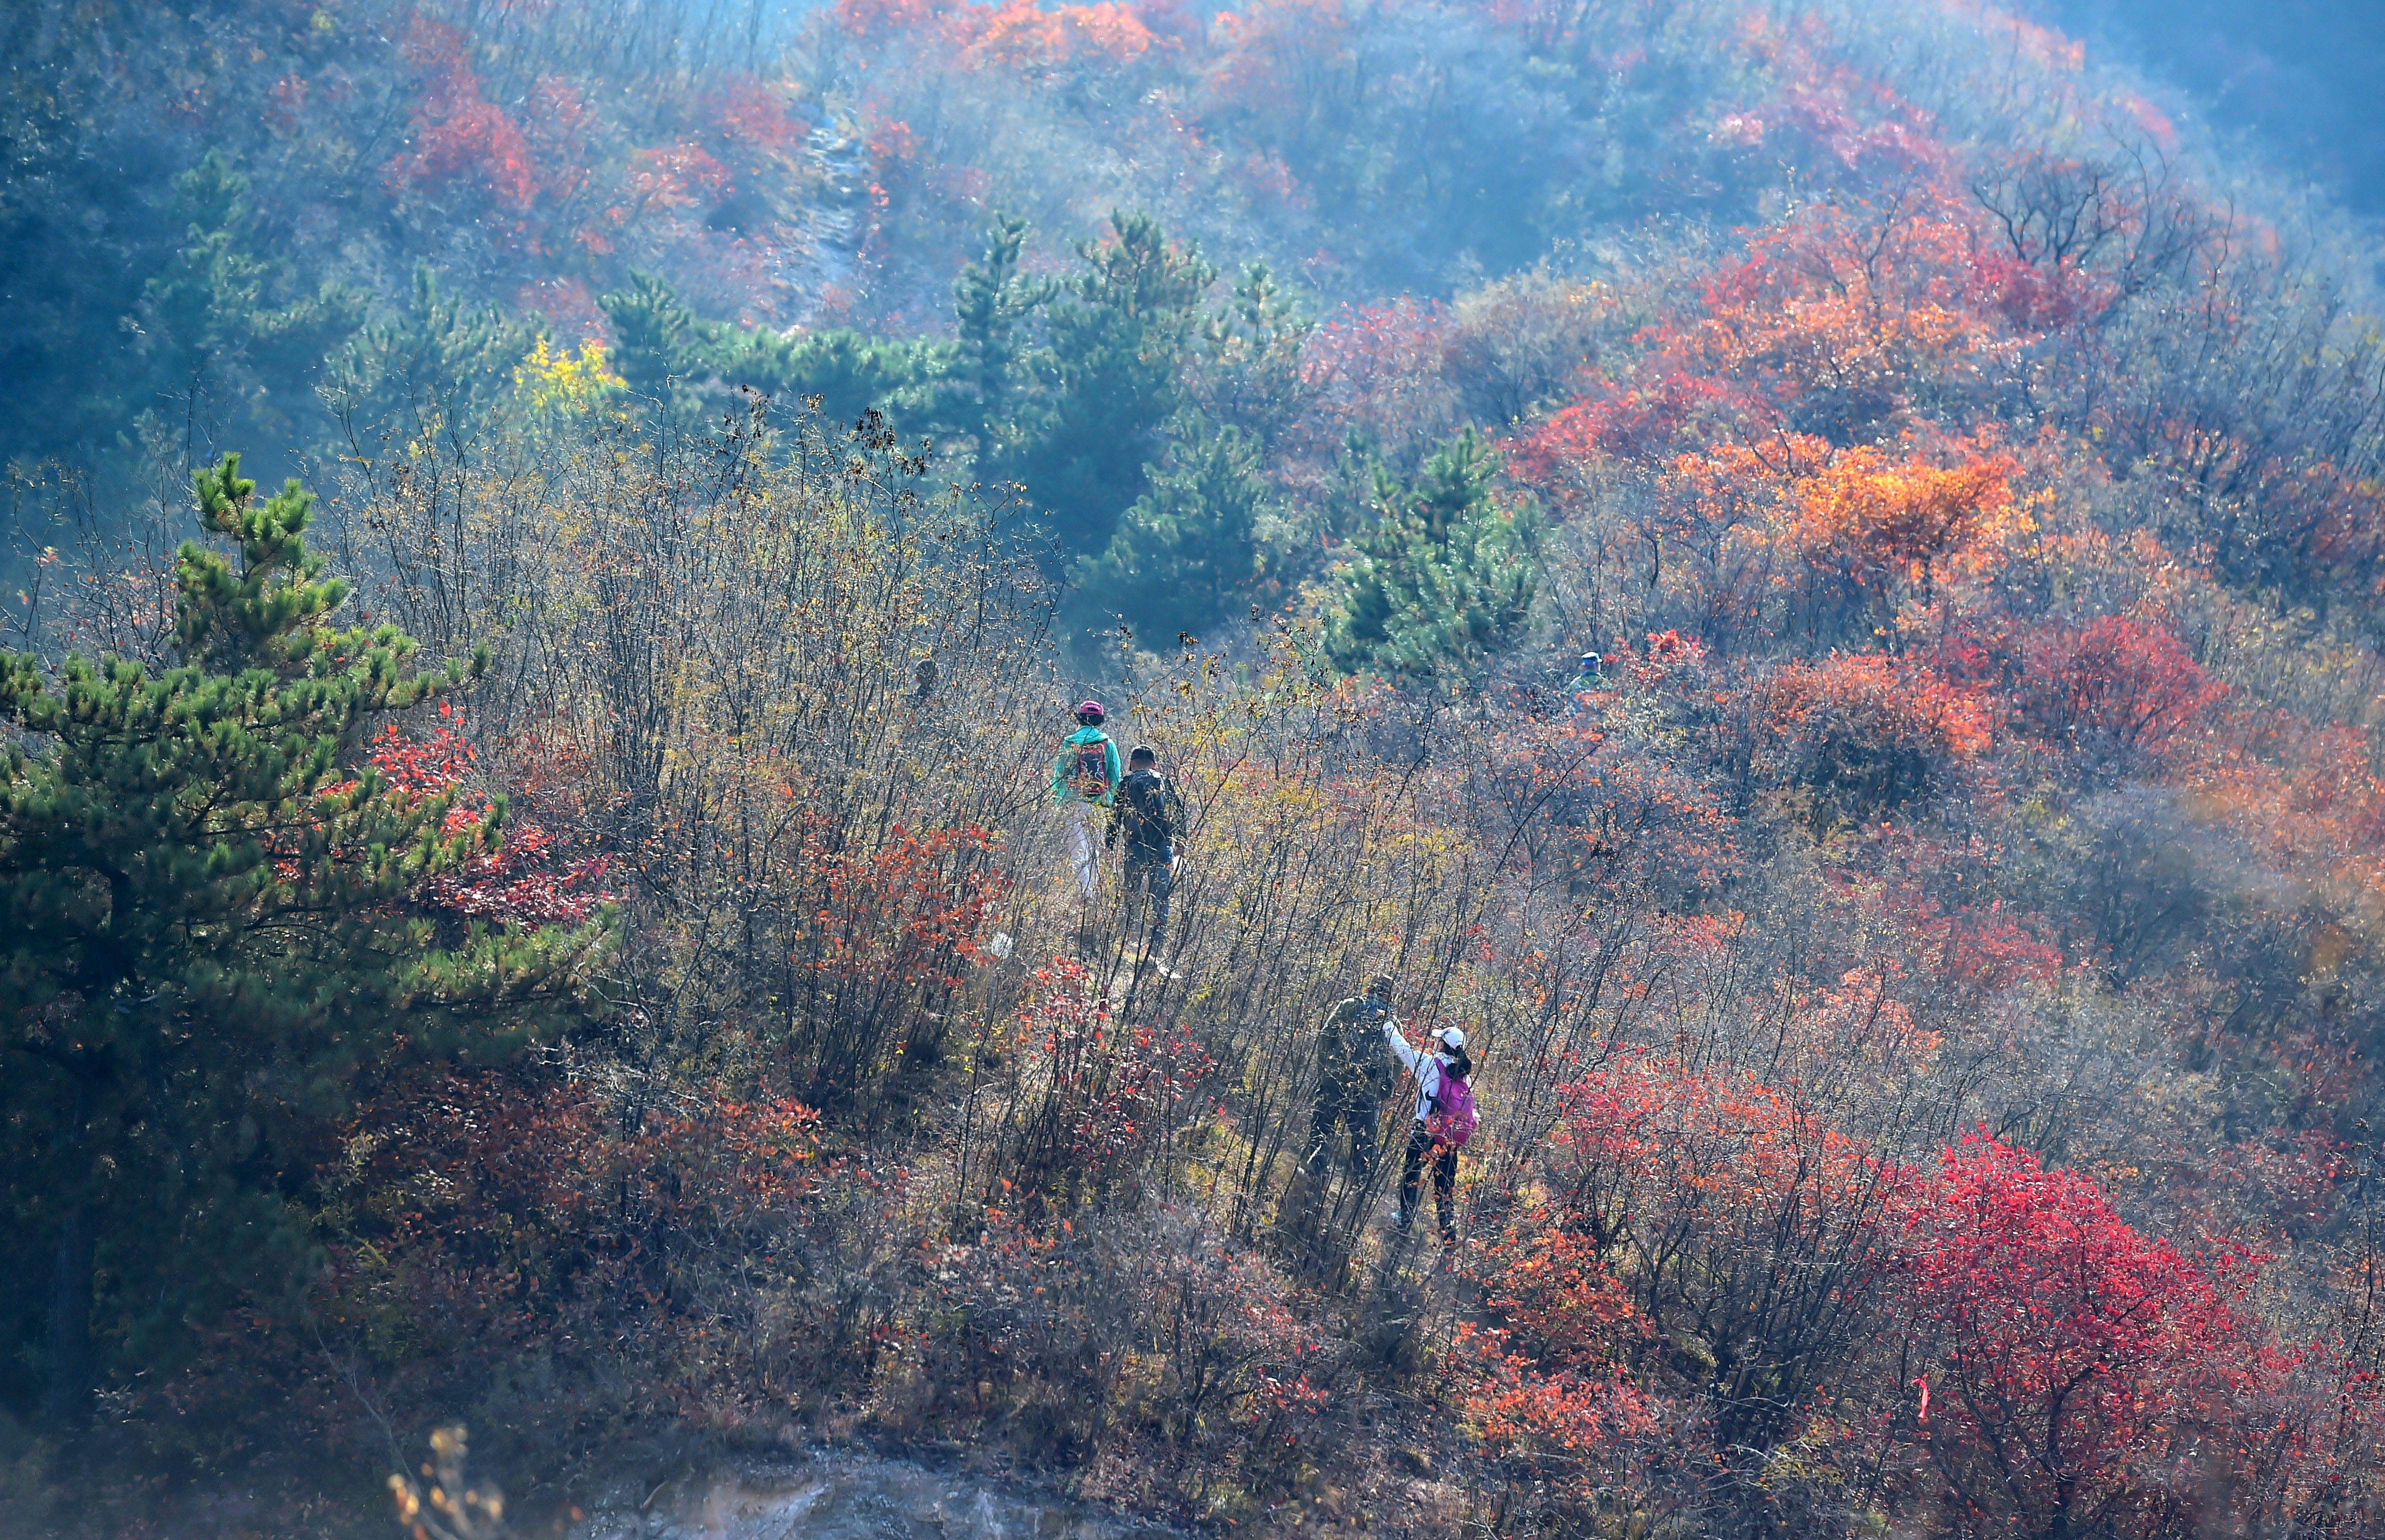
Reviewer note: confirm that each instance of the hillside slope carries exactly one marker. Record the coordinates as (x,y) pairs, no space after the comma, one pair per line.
(1805,574)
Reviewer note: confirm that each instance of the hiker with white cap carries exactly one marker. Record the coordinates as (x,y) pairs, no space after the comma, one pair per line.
(1445,1119)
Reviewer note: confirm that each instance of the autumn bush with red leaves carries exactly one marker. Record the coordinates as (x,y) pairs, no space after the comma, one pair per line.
(1987,1336)
(527,878)
(2082,1378)
(2118,688)
(459,135)
(572,1255)
(1866,734)
(1109,1097)
(507,1207)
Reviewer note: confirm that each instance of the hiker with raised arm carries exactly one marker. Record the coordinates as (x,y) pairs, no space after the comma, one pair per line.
(1151,817)
(1352,1080)
(1445,1119)
(1084,784)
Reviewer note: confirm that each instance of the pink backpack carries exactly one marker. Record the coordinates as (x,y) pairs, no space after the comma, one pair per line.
(1454,1118)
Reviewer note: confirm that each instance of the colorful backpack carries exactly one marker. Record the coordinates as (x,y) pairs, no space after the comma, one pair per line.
(1454,1118)
(1092,776)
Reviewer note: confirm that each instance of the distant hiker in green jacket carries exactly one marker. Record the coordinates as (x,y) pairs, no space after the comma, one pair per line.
(1084,784)
(1352,1080)
(1588,681)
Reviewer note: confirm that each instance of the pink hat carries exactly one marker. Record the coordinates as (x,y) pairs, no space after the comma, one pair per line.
(1091,708)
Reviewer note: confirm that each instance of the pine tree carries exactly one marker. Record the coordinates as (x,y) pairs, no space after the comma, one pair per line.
(206,938)
(438,366)
(1187,546)
(846,373)
(984,394)
(656,341)
(227,339)
(1250,375)
(670,355)
(1118,343)
(1445,579)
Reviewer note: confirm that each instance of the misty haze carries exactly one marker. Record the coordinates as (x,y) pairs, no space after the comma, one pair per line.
(1423,769)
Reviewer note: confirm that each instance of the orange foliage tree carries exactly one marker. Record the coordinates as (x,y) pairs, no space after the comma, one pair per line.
(1851,318)
(1866,734)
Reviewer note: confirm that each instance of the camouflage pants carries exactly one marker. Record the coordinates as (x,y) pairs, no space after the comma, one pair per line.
(1340,1106)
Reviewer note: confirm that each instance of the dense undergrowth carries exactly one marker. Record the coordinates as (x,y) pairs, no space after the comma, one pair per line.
(604,971)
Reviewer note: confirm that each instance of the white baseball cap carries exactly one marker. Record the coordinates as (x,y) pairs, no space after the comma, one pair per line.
(1453,1037)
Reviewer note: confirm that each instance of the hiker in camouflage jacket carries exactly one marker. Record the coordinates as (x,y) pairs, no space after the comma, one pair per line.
(1352,1078)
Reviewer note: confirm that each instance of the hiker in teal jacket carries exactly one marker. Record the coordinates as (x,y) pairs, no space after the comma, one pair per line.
(1084,784)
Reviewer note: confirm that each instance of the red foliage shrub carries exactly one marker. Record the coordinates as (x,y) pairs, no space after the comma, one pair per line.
(876,937)
(1022,36)
(2311,797)
(563,130)
(1671,657)
(526,880)
(1376,369)
(1610,822)
(1646,425)
(1685,1206)
(877,19)
(2338,520)
(753,116)
(1558,1293)
(2084,1377)
(1573,1432)
(1707,1256)
(459,135)
(1015,34)
(1971,953)
(1269,49)
(493,1206)
(1113,1096)
(675,176)
(1845,317)
(1866,733)
(905,914)
(2116,686)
